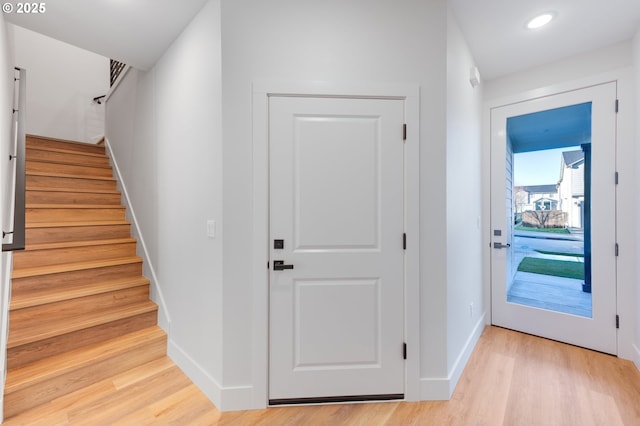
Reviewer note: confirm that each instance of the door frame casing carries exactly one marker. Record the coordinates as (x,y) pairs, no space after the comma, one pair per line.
(626,194)
(261,92)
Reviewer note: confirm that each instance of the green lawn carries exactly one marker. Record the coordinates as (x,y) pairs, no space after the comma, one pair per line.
(558,253)
(552,230)
(556,268)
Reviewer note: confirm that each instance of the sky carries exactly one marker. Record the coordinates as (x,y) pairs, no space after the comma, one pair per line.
(538,167)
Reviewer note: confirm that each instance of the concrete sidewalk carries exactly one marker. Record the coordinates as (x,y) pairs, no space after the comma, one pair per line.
(574,235)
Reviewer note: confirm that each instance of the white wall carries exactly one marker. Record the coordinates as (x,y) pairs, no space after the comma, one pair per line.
(636,72)
(608,64)
(63,80)
(465,307)
(573,68)
(6,103)
(338,42)
(164,127)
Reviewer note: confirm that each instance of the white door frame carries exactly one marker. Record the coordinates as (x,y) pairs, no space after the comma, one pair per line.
(260,247)
(626,267)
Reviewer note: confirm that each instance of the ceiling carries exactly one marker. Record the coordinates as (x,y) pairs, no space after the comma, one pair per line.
(550,129)
(500,43)
(137,32)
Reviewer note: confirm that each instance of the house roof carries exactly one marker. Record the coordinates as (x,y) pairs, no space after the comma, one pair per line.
(572,157)
(540,189)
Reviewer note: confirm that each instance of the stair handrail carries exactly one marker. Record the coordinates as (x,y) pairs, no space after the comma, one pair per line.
(17,228)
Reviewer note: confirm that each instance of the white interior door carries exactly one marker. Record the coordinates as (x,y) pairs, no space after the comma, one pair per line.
(337,219)
(595,329)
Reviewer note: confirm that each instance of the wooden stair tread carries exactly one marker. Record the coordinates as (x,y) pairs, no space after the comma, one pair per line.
(70,175)
(60,326)
(76,266)
(21,302)
(76,206)
(42,188)
(71,224)
(64,151)
(56,366)
(75,146)
(81,243)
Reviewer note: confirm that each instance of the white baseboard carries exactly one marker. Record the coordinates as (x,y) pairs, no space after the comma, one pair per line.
(164,320)
(225,398)
(434,389)
(636,357)
(441,389)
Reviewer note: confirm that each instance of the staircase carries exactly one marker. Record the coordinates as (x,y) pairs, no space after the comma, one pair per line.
(80,309)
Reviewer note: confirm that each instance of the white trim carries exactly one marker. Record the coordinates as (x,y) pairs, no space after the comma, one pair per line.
(225,399)
(636,359)
(164,320)
(435,389)
(260,255)
(552,90)
(463,358)
(441,389)
(198,375)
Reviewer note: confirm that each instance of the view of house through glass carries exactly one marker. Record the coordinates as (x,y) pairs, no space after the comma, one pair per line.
(551,263)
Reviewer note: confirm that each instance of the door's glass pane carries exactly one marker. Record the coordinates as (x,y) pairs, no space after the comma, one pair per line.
(550,210)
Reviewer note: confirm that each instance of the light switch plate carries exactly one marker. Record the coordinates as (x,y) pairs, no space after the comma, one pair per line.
(211,228)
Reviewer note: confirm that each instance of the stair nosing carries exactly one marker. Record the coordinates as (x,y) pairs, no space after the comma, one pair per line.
(32,187)
(103,157)
(22,302)
(65,151)
(73,266)
(39,225)
(29,140)
(70,176)
(79,243)
(52,139)
(75,206)
(22,377)
(68,163)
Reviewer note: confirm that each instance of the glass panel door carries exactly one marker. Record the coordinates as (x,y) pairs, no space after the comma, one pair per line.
(553,217)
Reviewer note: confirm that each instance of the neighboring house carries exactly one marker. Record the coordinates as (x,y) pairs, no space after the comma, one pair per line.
(535,197)
(571,187)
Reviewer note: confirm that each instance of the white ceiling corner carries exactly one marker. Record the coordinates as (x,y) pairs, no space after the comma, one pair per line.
(136,32)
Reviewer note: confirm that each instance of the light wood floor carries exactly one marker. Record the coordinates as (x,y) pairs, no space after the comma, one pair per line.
(511,379)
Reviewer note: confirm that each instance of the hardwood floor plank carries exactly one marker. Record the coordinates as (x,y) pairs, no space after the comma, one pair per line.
(131,399)
(511,379)
(132,377)
(186,407)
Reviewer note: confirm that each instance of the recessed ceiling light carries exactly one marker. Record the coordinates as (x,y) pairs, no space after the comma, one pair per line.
(540,20)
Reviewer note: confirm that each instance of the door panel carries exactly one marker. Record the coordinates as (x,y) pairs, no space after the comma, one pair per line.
(336,204)
(597,331)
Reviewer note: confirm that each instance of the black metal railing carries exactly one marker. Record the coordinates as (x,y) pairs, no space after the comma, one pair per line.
(16,231)
(116,69)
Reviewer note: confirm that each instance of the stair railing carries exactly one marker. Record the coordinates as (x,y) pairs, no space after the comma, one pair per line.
(116,68)
(16,227)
